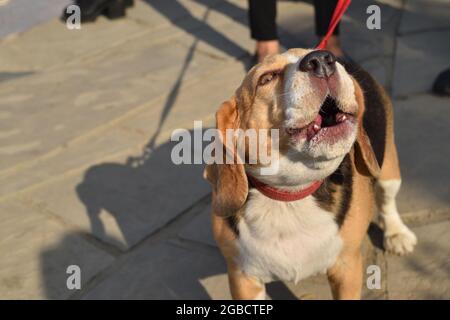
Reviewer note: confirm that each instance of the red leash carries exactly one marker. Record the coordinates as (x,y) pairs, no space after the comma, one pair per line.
(341,7)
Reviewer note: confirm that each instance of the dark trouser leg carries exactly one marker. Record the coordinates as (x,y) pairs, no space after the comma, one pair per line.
(323,12)
(262,18)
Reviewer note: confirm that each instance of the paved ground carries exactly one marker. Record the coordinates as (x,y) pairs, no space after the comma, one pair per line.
(85,118)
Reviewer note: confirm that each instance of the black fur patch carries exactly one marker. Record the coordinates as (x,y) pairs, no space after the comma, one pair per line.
(232,222)
(374,119)
(327,195)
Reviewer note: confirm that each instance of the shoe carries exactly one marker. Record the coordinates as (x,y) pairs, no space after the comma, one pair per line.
(91,9)
(441,85)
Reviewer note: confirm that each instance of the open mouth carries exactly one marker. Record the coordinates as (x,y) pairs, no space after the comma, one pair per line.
(330,121)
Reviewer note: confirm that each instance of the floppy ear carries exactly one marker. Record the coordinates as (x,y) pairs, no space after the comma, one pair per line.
(365,159)
(229,181)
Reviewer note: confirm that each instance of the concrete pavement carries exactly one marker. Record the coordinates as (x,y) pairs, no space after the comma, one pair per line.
(85,172)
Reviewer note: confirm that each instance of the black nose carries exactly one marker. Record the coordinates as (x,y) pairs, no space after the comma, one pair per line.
(320,63)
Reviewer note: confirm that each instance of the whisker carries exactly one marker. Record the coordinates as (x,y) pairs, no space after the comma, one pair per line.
(283,94)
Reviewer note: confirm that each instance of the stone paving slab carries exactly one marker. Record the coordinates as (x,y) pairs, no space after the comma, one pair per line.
(362,44)
(121,204)
(19,15)
(219,26)
(199,229)
(413,71)
(87,97)
(188,102)
(196,100)
(52,44)
(421,132)
(184,104)
(64,160)
(35,255)
(165,271)
(424,274)
(425,15)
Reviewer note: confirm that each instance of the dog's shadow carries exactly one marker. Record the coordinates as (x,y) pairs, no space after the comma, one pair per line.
(129,206)
(142,195)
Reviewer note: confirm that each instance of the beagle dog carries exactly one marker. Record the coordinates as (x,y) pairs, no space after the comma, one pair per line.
(337,162)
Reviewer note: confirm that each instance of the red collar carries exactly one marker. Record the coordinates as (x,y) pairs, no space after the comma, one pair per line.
(281,195)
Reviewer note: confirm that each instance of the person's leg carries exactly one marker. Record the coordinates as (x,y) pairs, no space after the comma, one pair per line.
(263,28)
(323,12)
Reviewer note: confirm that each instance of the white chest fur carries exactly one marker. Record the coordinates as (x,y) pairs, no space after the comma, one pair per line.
(286,240)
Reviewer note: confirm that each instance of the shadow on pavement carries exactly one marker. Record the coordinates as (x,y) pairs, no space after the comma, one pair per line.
(180,16)
(142,196)
(6,76)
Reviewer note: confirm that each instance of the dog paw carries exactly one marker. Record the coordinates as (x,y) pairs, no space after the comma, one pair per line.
(401,242)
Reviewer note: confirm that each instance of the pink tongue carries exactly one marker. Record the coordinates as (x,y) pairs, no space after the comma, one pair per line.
(314,127)
(318,120)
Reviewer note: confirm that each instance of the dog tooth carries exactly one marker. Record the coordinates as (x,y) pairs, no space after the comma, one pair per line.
(341,117)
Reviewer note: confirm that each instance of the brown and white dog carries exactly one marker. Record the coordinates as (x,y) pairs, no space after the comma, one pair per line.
(336,140)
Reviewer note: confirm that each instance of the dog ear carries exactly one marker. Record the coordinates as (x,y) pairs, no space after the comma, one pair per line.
(366,162)
(365,159)
(229,181)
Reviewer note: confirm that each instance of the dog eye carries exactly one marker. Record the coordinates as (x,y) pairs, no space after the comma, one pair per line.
(267,77)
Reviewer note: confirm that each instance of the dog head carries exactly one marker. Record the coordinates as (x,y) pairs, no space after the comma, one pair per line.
(317,108)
